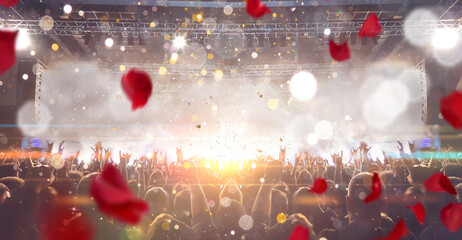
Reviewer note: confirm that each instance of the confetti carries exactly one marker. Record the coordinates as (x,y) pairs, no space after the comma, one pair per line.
(339,52)
(439,182)
(398,232)
(7,42)
(256,8)
(451,109)
(371,27)
(451,216)
(300,233)
(376,189)
(419,212)
(114,198)
(319,186)
(138,87)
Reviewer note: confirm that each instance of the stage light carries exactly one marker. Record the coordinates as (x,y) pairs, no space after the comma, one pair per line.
(312,139)
(81,13)
(109,42)
(23,40)
(25,76)
(174,56)
(179,42)
(327,31)
(303,86)
(67,8)
(445,38)
(323,129)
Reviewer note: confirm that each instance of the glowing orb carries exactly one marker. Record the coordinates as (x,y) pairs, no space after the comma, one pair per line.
(323,129)
(57,161)
(303,86)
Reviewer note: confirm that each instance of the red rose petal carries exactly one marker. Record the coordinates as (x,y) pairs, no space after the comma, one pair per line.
(376,189)
(419,212)
(256,8)
(130,212)
(451,216)
(63,223)
(451,109)
(300,232)
(439,182)
(398,232)
(319,186)
(137,86)
(339,52)
(7,42)
(371,27)
(114,198)
(8,3)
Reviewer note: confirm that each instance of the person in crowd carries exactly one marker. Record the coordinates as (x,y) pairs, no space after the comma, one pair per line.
(261,198)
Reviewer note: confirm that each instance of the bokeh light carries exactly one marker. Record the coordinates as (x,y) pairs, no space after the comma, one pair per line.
(324,129)
(303,86)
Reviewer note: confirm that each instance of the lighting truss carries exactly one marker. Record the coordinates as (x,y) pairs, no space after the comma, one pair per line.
(308,29)
(237,72)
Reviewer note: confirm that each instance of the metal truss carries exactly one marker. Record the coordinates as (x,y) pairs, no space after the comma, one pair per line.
(308,29)
(38,90)
(423,90)
(236,72)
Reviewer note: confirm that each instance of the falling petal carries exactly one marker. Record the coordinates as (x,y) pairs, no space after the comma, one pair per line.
(9,3)
(439,182)
(398,232)
(256,8)
(339,52)
(419,212)
(114,198)
(7,43)
(371,27)
(319,186)
(451,109)
(376,189)
(300,233)
(451,216)
(137,86)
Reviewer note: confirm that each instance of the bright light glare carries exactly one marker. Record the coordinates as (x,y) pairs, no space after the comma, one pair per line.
(327,31)
(109,42)
(312,139)
(149,155)
(303,86)
(174,56)
(23,40)
(323,129)
(445,38)
(179,42)
(67,8)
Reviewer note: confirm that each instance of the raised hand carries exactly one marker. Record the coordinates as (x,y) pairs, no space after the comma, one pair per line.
(400,146)
(282,154)
(50,146)
(179,154)
(61,147)
(124,158)
(411,146)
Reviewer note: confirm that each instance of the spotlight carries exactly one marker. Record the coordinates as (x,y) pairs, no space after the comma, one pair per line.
(353,39)
(67,8)
(141,40)
(120,39)
(261,41)
(179,42)
(131,40)
(23,40)
(109,42)
(445,38)
(342,37)
(327,31)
